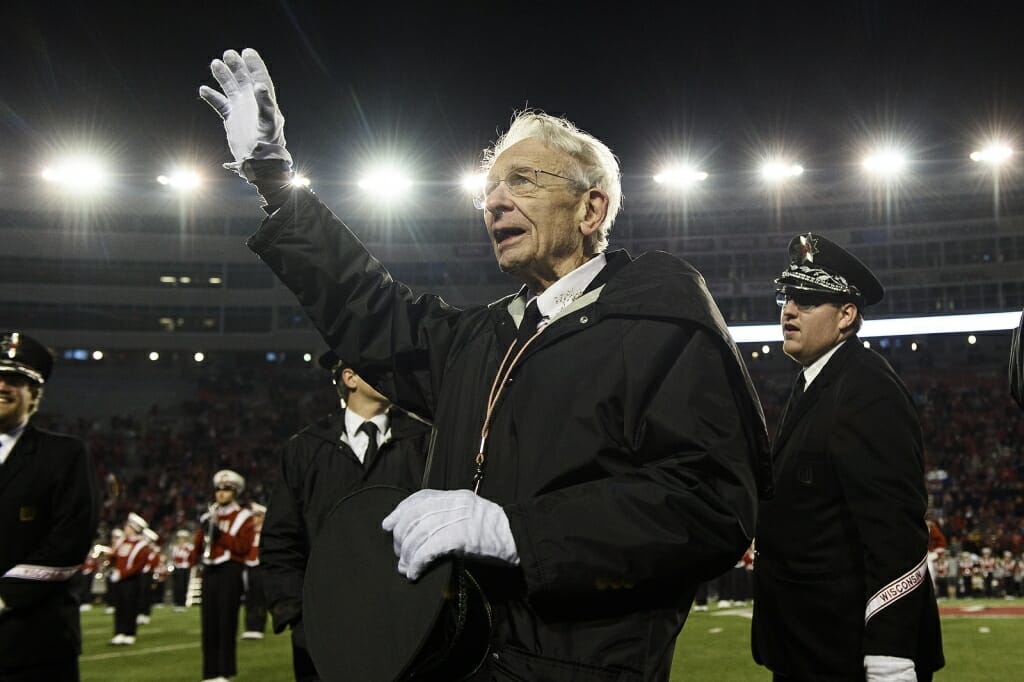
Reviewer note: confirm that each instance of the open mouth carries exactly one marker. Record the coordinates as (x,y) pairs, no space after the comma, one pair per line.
(506,233)
(790,328)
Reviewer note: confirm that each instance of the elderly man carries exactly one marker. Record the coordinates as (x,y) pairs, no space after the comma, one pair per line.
(841,585)
(598,439)
(49,504)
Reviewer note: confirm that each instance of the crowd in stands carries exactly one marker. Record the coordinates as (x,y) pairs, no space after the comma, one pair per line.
(159,464)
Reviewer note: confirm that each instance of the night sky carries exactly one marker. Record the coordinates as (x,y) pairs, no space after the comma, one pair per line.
(435,81)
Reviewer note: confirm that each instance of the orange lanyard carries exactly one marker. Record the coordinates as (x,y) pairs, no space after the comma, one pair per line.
(500,379)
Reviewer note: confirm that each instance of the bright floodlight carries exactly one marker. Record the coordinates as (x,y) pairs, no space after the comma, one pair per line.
(780,170)
(307,357)
(79,174)
(680,176)
(386,183)
(180,179)
(473,183)
(97,355)
(887,162)
(300,180)
(199,357)
(154,356)
(994,154)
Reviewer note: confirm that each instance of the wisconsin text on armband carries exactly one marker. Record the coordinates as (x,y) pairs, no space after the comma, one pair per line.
(896,590)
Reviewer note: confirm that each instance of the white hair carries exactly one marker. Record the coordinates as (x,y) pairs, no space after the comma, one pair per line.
(593,163)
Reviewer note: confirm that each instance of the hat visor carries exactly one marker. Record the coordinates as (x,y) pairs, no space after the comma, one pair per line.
(17,368)
(788,286)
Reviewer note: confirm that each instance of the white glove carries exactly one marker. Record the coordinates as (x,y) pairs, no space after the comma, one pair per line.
(253,121)
(432,523)
(889,669)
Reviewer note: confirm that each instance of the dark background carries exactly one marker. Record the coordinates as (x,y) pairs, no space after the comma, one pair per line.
(433,82)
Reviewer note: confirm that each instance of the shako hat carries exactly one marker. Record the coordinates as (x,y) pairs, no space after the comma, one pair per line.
(151,535)
(229,479)
(822,267)
(24,355)
(137,522)
(366,621)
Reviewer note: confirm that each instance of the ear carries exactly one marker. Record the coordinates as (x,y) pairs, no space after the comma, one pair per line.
(595,210)
(847,315)
(348,377)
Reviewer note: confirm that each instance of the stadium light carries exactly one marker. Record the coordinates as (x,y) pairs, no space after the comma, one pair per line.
(993,154)
(680,177)
(307,357)
(299,180)
(972,339)
(199,356)
(473,183)
(766,349)
(97,355)
(386,182)
(78,174)
(180,179)
(777,171)
(154,356)
(885,162)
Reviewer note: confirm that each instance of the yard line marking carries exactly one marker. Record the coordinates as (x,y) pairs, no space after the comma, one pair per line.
(140,652)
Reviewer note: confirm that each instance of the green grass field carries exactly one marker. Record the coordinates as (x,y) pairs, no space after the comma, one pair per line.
(713,646)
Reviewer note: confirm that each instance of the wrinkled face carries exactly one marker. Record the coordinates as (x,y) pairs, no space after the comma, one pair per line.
(17,399)
(810,331)
(536,238)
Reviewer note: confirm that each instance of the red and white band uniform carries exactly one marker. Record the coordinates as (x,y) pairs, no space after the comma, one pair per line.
(182,561)
(255,604)
(131,554)
(223,565)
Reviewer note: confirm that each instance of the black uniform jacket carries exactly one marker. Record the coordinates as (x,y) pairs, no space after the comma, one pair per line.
(49,506)
(1017,364)
(318,468)
(846,521)
(623,448)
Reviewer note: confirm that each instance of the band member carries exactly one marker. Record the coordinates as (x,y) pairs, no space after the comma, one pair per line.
(131,554)
(255,603)
(181,560)
(223,540)
(842,586)
(49,505)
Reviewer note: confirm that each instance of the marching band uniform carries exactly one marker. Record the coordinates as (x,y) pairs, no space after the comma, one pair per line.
(131,553)
(181,559)
(223,540)
(842,584)
(255,600)
(49,506)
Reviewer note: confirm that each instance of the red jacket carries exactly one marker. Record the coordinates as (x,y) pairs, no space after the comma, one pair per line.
(234,539)
(130,557)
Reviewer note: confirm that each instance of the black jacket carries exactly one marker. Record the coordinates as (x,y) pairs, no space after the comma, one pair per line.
(317,469)
(847,520)
(49,506)
(624,447)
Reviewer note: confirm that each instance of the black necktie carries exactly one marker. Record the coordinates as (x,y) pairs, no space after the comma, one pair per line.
(798,388)
(528,327)
(370,429)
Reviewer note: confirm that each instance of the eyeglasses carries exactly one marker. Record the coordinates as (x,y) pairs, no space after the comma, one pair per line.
(521,182)
(804,302)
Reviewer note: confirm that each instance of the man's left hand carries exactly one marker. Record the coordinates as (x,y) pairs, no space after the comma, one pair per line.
(432,523)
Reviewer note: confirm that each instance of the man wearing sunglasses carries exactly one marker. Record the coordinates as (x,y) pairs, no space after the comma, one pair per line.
(599,446)
(841,586)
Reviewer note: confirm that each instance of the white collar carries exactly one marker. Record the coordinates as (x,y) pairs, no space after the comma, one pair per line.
(353,421)
(814,369)
(16,432)
(569,287)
